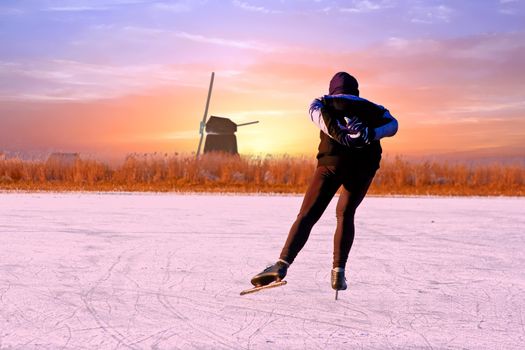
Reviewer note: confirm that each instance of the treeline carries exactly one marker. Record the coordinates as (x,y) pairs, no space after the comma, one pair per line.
(246,174)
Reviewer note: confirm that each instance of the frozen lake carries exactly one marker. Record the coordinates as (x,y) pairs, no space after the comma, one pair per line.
(164,271)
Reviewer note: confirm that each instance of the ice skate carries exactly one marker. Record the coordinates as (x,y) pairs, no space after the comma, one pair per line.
(273,273)
(270,277)
(268,286)
(338,280)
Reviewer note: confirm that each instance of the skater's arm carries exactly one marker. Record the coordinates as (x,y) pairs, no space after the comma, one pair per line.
(323,120)
(388,129)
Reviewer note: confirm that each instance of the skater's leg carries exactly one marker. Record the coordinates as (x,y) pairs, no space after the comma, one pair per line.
(321,190)
(354,190)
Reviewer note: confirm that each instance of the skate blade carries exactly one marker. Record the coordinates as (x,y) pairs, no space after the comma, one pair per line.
(268,286)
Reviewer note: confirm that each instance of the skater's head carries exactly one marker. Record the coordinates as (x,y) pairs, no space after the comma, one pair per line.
(343,83)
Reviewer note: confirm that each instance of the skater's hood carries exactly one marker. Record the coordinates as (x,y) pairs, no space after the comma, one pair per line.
(343,83)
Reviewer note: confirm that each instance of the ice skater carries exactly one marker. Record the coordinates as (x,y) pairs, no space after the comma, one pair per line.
(349,156)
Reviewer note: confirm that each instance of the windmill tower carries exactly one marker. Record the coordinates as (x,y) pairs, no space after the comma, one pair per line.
(220,132)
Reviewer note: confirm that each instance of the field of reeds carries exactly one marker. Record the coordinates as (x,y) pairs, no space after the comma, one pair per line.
(251,174)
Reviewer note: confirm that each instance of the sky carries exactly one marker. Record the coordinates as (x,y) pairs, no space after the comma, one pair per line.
(119,76)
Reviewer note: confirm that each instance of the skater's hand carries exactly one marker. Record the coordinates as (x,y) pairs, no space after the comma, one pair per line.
(359,135)
(352,133)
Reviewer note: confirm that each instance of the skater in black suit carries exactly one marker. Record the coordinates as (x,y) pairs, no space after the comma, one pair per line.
(349,156)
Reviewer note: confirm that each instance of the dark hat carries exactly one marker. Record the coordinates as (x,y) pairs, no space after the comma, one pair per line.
(343,83)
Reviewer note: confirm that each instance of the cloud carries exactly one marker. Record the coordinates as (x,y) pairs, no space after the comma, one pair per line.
(247,7)
(93,5)
(491,106)
(65,80)
(177,7)
(10,11)
(362,6)
(510,7)
(488,47)
(466,80)
(239,44)
(79,8)
(204,39)
(431,14)
(402,46)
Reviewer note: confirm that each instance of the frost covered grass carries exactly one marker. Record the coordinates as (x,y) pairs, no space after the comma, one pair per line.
(245,174)
(164,271)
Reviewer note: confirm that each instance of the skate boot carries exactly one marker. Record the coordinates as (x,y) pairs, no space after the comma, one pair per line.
(338,280)
(273,273)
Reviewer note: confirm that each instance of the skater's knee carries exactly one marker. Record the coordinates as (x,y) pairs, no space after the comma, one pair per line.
(307,218)
(345,213)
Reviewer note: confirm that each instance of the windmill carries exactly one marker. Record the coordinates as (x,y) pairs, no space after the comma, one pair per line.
(220,132)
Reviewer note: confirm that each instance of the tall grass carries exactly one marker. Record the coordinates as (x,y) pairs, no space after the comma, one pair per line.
(225,173)
(398,176)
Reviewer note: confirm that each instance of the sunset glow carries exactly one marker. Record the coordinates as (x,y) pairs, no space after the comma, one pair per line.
(118,76)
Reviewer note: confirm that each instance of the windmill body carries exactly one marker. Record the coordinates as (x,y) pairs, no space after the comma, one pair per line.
(220,135)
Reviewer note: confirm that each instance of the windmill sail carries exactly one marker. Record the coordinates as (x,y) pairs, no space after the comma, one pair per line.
(203,122)
(249,123)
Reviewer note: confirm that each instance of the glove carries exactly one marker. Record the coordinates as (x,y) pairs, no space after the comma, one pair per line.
(359,135)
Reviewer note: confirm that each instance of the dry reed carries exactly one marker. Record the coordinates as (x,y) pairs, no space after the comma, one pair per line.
(245,174)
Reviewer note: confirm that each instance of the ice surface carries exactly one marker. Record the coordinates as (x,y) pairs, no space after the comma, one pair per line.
(164,271)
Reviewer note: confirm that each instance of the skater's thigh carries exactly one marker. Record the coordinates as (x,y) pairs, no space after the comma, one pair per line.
(320,192)
(355,187)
